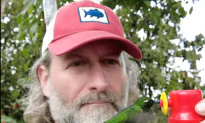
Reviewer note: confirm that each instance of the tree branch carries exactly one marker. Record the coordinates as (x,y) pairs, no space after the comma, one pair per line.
(3,6)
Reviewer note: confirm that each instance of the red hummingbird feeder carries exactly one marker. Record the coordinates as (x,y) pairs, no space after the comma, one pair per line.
(182,106)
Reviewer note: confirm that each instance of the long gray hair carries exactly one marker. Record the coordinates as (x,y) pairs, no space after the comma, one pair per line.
(37,108)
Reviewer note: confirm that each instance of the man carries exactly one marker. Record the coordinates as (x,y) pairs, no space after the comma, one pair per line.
(81,76)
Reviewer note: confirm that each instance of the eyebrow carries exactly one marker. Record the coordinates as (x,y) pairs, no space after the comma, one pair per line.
(73,54)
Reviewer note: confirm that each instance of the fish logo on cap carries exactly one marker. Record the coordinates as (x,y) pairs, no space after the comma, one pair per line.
(92,14)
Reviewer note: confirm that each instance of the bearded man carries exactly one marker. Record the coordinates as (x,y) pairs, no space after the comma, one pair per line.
(83,74)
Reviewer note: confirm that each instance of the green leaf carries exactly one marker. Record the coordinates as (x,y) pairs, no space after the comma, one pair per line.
(21,36)
(33,28)
(30,10)
(19,19)
(182,11)
(190,10)
(25,53)
(109,3)
(25,67)
(7,119)
(156,15)
(147,3)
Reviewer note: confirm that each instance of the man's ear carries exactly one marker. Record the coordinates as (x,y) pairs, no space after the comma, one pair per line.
(43,75)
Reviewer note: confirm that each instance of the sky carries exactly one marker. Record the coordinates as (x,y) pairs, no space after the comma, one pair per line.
(193,25)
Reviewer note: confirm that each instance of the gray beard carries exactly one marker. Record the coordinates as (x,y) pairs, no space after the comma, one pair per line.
(63,112)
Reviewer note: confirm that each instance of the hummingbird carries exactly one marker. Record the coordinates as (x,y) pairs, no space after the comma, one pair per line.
(128,114)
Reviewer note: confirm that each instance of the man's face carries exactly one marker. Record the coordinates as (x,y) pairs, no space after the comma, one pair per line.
(87,84)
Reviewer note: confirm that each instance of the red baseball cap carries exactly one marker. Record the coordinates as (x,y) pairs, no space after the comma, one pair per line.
(79,23)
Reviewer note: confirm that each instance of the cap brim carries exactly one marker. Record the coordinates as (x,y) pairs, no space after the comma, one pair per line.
(73,41)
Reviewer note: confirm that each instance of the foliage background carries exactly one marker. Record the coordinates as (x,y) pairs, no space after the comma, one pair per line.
(23,27)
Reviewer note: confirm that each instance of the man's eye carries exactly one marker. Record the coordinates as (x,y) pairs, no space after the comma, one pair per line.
(110,61)
(77,63)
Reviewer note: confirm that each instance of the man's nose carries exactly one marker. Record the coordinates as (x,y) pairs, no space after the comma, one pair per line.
(98,81)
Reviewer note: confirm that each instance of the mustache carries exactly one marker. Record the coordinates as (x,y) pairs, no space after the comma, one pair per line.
(108,97)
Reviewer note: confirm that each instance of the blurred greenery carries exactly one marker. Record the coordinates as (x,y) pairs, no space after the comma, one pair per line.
(23,27)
